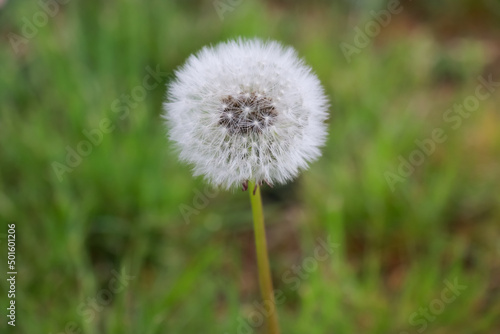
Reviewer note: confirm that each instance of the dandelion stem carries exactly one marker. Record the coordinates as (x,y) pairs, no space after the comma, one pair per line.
(265,282)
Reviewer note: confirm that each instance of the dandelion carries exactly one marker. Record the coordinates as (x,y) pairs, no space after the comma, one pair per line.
(248,112)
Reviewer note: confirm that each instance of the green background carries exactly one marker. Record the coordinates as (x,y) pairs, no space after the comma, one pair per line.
(122,208)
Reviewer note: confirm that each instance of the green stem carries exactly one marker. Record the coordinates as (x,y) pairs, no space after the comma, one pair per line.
(265,282)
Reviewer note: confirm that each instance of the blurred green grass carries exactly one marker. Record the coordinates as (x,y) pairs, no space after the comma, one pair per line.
(119,209)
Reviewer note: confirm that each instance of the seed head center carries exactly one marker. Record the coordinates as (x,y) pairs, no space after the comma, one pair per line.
(247,113)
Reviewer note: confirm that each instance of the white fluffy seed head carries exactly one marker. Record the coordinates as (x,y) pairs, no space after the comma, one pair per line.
(246,110)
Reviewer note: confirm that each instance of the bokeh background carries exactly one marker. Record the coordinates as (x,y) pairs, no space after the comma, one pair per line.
(184,252)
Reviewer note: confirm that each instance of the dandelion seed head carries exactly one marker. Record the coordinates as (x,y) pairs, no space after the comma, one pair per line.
(246,110)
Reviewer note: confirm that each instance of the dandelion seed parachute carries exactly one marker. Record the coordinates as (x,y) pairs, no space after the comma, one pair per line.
(246,110)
